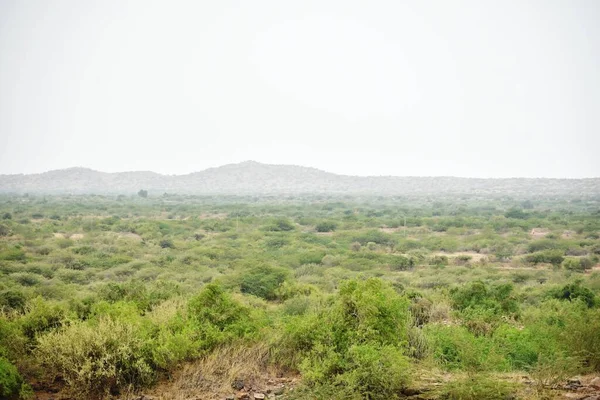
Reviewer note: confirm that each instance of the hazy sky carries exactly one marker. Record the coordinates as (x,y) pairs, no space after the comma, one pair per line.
(465,88)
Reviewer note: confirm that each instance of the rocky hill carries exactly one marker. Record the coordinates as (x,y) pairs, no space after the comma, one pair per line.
(255,178)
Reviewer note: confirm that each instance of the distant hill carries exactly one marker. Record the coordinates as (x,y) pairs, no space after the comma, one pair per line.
(255,178)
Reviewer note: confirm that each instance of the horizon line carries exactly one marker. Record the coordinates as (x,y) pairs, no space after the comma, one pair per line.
(290,165)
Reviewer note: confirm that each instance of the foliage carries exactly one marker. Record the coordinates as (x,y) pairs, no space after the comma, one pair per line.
(181,278)
(326,226)
(11,382)
(360,350)
(475,387)
(263,281)
(574,291)
(96,357)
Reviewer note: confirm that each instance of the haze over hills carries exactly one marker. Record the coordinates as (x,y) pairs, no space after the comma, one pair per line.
(251,177)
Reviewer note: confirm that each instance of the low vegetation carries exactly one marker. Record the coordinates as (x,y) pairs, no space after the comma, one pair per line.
(360,298)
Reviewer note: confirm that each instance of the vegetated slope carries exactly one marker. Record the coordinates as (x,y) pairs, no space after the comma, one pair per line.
(255,178)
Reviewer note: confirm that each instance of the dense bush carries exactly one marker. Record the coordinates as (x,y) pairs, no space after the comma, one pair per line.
(574,291)
(217,318)
(263,281)
(361,347)
(11,382)
(554,257)
(97,357)
(326,226)
(94,300)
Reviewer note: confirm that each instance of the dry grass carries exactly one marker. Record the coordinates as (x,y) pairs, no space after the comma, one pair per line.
(212,376)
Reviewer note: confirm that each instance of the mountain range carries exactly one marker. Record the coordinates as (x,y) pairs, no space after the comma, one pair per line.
(251,177)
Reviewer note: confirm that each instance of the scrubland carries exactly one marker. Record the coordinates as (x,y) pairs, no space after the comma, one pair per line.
(341,297)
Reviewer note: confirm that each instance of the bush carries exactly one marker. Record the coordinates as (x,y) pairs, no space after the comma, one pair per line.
(95,358)
(374,372)
(4,231)
(326,226)
(361,348)
(577,264)
(280,225)
(217,318)
(554,257)
(376,237)
(574,291)
(12,299)
(477,295)
(455,348)
(402,263)
(13,254)
(166,244)
(11,383)
(439,261)
(516,214)
(263,281)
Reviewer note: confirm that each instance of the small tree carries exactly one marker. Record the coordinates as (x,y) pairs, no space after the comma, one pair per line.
(143,193)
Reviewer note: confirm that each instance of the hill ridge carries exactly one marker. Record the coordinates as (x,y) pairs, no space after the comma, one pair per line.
(252,177)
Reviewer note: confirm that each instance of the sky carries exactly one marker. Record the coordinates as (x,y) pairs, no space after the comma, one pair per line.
(410,88)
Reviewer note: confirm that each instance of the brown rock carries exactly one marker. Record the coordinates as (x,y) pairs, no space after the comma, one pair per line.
(259,396)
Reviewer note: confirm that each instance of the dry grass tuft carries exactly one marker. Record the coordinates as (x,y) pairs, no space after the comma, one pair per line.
(213,375)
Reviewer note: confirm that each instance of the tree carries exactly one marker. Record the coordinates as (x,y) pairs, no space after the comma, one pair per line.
(143,193)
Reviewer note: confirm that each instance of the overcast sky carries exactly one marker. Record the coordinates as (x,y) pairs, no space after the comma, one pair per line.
(463,88)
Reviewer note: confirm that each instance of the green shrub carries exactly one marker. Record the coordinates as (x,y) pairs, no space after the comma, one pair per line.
(42,316)
(360,349)
(217,318)
(95,358)
(574,291)
(543,244)
(439,261)
(516,214)
(578,264)
(12,385)
(280,225)
(455,348)
(4,230)
(326,226)
(402,263)
(554,257)
(296,305)
(13,254)
(499,299)
(374,371)
(167,244)
(376,237)
(12,299)
(263,281)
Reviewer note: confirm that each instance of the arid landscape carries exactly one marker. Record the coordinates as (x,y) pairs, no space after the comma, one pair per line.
(144,295)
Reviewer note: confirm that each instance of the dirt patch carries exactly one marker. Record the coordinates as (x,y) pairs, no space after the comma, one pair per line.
(72,236)
(474,256)
(213,216)
(539,232)
(130,235)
